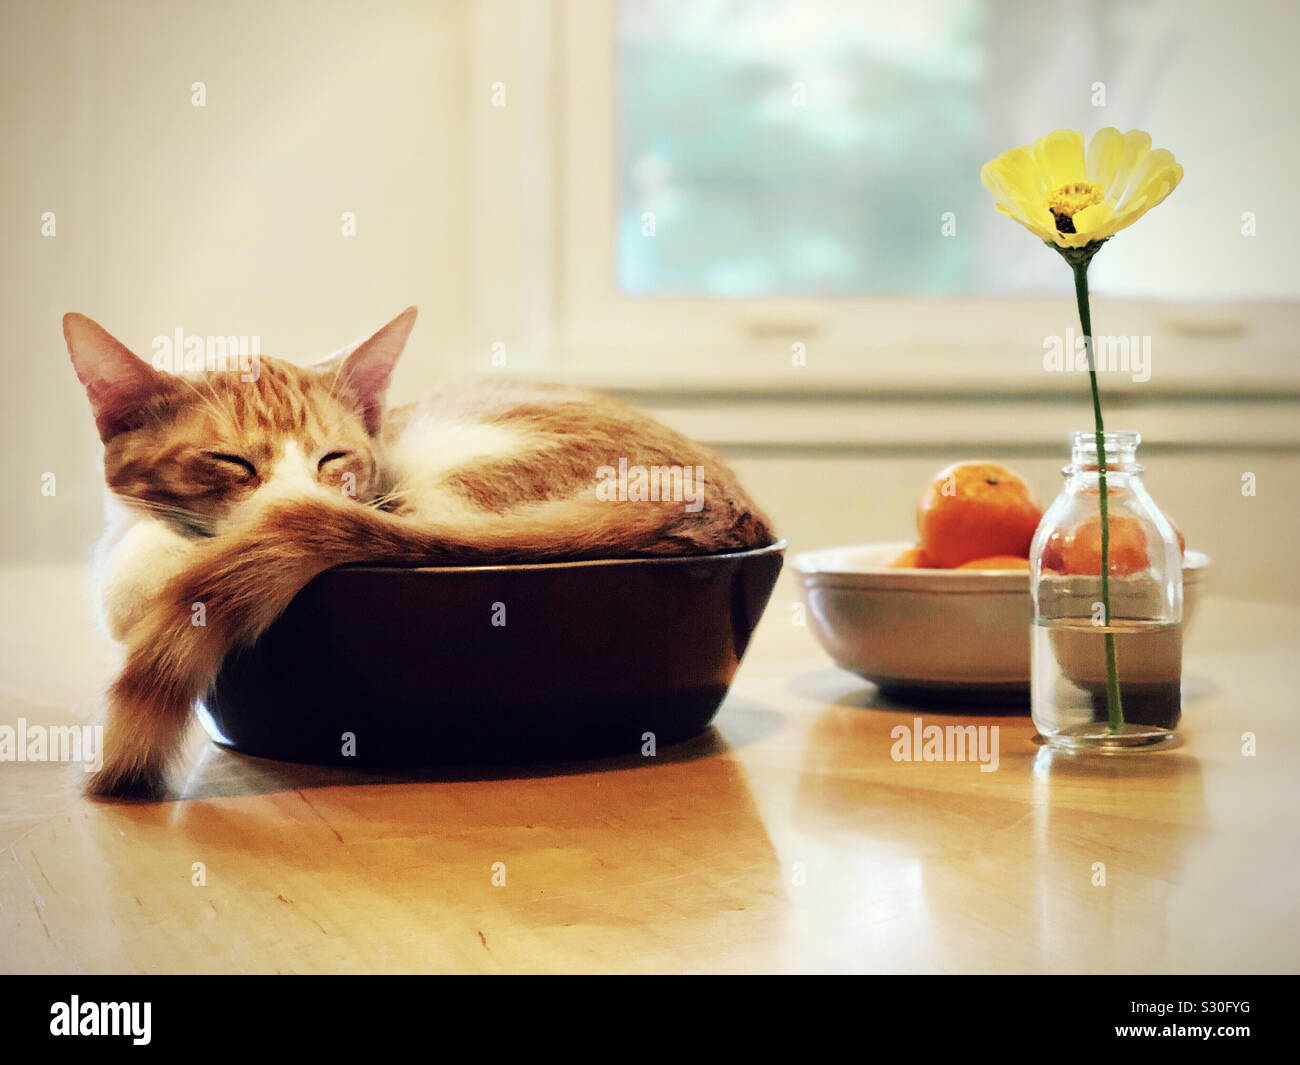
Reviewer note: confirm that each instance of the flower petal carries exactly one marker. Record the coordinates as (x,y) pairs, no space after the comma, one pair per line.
(1032,221)
(1010,193)
(1154,170)
(1060,157)
(1013,173)
(1137,144)
(1072,240)
(1173,176)
(1095,222)
(1132,176)
(1153,192)
(1105,154)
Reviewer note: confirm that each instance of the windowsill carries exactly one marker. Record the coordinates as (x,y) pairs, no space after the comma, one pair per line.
(960,349)
(1216,393)
(1199,369)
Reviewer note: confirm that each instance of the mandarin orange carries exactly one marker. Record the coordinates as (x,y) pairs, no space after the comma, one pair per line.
(997,562)
(1081,550)
(1053,552)
(912,558)
(976,510)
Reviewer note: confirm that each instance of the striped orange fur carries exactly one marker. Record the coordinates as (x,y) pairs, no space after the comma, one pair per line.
(235,493)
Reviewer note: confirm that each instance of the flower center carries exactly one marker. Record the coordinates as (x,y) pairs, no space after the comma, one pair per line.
(1065,201)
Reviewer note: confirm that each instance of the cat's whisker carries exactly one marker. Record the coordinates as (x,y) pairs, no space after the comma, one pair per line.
(342,377)
(386,500)
(202,523)
(334,380)
(390,496)
(222,401)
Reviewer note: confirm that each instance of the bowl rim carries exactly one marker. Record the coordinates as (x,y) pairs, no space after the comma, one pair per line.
(811,566)
(777,547)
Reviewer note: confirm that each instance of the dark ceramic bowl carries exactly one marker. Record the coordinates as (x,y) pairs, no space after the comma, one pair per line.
(591,656)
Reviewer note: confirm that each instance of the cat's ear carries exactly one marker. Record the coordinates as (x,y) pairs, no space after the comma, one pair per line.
(364,371)
(117,383)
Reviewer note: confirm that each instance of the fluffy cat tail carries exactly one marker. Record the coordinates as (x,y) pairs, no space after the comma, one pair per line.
(238,585)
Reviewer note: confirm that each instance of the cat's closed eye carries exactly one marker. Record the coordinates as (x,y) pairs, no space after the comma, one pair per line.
(346,468)
(236,464)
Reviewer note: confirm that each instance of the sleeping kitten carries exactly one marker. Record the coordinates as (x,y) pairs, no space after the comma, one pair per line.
(235,493)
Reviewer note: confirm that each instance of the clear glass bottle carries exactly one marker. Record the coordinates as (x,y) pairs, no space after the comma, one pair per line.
(1106,680)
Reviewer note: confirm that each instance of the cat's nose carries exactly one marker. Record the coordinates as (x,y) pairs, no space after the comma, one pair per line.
(291,476)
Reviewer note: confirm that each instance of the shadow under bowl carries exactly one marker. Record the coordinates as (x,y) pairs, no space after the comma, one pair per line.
(421,666)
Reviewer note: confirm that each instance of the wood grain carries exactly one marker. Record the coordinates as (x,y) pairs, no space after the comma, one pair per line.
(785,839)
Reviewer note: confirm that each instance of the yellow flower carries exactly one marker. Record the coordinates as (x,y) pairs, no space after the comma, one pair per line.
(1072,199)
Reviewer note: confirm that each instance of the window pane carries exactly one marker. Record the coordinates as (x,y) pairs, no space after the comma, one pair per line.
(815,147)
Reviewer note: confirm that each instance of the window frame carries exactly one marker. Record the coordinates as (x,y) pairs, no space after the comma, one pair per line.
(544,267)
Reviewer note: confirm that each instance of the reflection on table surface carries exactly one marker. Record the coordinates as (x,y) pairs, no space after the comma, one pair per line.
(786,838)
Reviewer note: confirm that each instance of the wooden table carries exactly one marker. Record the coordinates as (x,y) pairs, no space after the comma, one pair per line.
(784,839)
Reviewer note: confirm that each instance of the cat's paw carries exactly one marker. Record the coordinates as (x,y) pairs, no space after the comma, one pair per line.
(127,780)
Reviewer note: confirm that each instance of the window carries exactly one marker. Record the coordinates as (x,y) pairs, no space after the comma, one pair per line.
(799,148)
(816,147)
(724,179)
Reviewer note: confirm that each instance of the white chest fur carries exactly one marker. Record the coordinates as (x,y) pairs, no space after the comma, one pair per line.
(431,447)
(134,558)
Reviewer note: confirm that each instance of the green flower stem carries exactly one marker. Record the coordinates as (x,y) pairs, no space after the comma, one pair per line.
(1079,263)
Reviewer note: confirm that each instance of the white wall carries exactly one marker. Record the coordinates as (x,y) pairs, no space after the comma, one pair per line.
(225,220)
(222,219)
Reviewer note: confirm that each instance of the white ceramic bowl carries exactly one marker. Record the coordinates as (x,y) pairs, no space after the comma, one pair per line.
(961,634)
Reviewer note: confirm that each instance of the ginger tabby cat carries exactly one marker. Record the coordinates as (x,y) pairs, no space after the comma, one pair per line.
(235,493)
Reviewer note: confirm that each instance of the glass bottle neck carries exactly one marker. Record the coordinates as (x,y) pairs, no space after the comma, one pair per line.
(1118,449)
